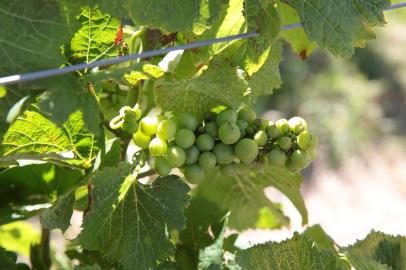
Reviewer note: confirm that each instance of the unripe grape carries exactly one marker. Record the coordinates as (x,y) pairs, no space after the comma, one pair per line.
(186,120)
(148,125)
(261,137)
(229,133)
(297,124)
(242,125)
(290,166)
(285,143)
(211,128)
(205,142)
(300,159)
(130,126)
(277,157)
(283,126)
(175,156)
(194,174)
(228,169)
(312,153)
(246,150)
(273,132)
(185,138)
(167,129)
(141,140)
(303,140)
(207,160)
(247,114)
(314,142)
(192,155)
(226,116)
(224,153)
(162,166)
(158,147)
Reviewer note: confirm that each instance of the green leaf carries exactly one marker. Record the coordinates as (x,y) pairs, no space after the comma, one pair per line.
(18,236)
(7,259)
(360,263)
(385,249)
(320,237)
(340,26)
(243,193)
(95,39)
(216,86)
(34,136)
(59,215)
(112,156)
(128,221)
(144,71)
(296,37)
(292,254)
(89,267)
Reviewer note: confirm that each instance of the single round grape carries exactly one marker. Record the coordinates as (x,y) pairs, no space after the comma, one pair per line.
(283,126)
(141,140)
(130,126)
(192,155)
(285,143)
(185,138)
(194,174)
(130,115)
(148,125)
(261,137)
(246,150)
(207,160)
(228,169)
(186,121)
(290,166)
(273,132)
(303,140)
(158,147)
(166,129)
(176,156)
(224,153)
(229,133)
(297,124)
(242,125)
(314,142)
(205,142)
(226,116)
(312,154)
(300,159)
(277,157)
(211,128)
(162,166)
(247,114)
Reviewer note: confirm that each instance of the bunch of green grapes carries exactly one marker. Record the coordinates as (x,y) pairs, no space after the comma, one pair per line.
(127,119)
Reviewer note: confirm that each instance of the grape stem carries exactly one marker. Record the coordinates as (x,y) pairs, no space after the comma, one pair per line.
(145,174)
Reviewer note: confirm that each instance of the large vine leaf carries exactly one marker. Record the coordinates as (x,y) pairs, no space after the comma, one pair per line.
(18,236)
(128,221)
(59,215)
(339,26)
(218,85)
(8,259)
(243,193)
(33,136)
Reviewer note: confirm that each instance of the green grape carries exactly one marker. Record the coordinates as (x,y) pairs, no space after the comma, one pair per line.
(312,154)
(176,156)
(273,132)
(261,138)
(277,157)
(303,140)
(242,125)
(124,109)
(148,125)
(192,155)
(141,140)
(194,174)
(228,169)
(314,142)
(130,126)
(300,159)
(283,126)
(290,166)
(186,121)
(211,128)
(229,133)
(297,124)
(158,147)
(226,116)
(185,138)
(264,124)
(162,166)
(224,153)
(205,142)
(166,129)
(207,160)
(246,150)
(247,114)
(285,143)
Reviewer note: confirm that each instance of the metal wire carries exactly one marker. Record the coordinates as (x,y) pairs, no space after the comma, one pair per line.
(13,79)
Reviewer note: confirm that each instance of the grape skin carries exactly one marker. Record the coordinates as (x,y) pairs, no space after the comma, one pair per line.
(246,150)
(229,133)
(185,138)
(176,156)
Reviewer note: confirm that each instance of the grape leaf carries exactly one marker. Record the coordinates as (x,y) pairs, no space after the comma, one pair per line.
(128,221)
(95,39)
(18,236)
(59,215)
(339,26)
(360,263)
(8,259)
(243,193)
(197,95)
(89,267)
(145,71)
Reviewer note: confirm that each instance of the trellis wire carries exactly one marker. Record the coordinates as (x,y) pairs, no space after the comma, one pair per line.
(13,79)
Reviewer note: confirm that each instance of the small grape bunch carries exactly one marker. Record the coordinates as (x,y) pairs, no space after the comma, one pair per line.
(127,119)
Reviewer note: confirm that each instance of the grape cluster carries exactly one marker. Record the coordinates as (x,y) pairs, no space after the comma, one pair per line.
(224,139)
